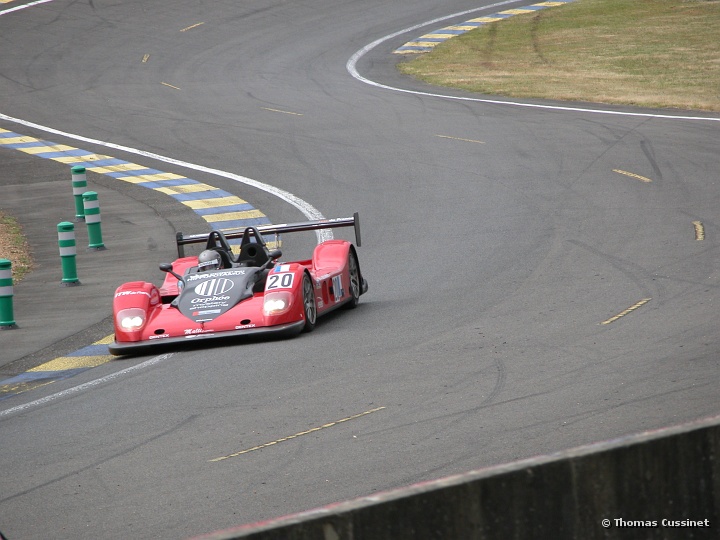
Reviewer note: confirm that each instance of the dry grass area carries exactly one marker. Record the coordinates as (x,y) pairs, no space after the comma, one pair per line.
(649,53)
(14,247)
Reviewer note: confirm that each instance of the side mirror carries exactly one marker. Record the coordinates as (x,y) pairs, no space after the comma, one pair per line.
(168,267)
(275,254)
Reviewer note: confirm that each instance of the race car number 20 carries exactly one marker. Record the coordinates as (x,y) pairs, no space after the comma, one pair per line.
(280,281)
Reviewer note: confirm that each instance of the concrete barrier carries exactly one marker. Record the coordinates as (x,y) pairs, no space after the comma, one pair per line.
(662,484)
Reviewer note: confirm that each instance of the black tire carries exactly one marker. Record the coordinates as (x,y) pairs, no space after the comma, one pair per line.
(355,281)
(309,305)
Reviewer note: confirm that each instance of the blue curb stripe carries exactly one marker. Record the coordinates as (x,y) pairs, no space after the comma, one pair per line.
(138,172)
(34,379)
(91,350)
(168,183)
(428,42)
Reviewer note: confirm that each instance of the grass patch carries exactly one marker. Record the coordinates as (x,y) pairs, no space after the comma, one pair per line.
(649,53)
(14,247)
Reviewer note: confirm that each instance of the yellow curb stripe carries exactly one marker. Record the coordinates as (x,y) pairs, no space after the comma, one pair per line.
(81,159)
(230,216)
(71,362)
(190,188)
(44,149)
(122,167)
(218,202)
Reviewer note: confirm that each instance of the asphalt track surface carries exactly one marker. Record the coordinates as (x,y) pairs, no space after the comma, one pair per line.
(539,278)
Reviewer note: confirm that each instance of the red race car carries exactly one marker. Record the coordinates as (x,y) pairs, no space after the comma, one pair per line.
(221,294)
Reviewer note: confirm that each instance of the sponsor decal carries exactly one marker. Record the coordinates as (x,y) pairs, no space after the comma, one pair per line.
(130,293)
(338,291)
(160,336)
(213,287)
(206,312)
(207,275)
(244,326)
(211,302)
(192,331)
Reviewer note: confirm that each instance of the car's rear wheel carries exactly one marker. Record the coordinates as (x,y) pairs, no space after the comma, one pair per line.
(309,305)
(355,285)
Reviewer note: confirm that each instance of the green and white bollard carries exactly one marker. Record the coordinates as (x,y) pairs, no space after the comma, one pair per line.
(68,251)
(7,321)
(92,218)
(79,185)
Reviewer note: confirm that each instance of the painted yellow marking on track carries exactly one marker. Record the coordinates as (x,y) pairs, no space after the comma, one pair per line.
(19,388)
(192,26)
(517,11)
(699,230)
(217,202)
(420,44)
(170,85)
(190,188)
(71,362)
(313,430)
(459,139)
(628,310)
(143,178)
(18,140)
(117,168)
(465,28)
(87,158)
(487,19)
(145,58)
(280,111)
(46,149)
(633,175)
(229,216)
(107,340)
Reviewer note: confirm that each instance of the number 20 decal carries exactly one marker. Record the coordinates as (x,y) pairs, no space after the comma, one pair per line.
(280,281)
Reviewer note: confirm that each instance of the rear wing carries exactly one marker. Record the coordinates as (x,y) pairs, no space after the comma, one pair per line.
(182,240)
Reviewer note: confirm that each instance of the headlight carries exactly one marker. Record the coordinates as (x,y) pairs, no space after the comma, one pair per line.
(277,303)
(131,319)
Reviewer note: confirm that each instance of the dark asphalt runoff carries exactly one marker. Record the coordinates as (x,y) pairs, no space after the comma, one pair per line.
(538,280)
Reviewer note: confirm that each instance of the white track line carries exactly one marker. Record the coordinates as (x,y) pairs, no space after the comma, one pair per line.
(84,386)
(18,8)
(306,208)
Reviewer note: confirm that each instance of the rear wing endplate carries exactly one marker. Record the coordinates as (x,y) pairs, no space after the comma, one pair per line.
(354,221)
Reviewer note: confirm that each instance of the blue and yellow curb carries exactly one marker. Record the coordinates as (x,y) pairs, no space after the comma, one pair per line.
(428,42)
(58,369)
(220,209)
